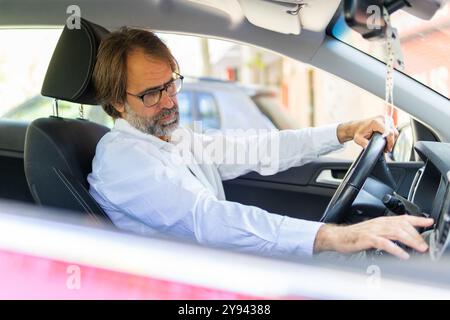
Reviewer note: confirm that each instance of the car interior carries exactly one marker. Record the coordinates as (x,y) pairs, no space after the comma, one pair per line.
(47,161)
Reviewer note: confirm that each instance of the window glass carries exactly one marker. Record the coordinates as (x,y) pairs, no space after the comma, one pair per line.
(289,93)
(425,46)
(208,112)
(24,58)
(185,108)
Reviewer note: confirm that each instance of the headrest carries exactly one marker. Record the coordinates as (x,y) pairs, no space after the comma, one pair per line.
(70,70)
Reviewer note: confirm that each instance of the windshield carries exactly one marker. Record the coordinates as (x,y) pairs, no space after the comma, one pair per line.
(425,46)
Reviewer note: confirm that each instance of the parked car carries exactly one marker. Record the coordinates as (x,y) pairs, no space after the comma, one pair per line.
(268,102)
(233,104)
(43,249)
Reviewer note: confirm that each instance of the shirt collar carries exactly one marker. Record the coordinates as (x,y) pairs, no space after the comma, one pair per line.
(124,126)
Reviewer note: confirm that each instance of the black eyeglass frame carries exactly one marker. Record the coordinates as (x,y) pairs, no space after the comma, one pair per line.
(160,89)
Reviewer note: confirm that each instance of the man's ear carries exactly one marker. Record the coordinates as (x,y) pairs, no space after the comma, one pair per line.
(120,107)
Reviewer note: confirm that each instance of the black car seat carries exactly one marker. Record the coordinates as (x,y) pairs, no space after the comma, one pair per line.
(58,152)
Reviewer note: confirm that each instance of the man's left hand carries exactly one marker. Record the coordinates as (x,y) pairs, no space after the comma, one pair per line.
(361,131)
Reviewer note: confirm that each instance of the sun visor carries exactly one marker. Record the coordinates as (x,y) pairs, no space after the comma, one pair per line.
(277,16)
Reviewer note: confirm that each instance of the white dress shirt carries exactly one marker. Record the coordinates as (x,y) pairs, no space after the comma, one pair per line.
(144,187)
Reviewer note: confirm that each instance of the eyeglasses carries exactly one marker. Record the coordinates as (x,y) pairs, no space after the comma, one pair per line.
(152,97)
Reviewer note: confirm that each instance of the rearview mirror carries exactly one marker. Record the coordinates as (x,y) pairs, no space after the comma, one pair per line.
(366,16)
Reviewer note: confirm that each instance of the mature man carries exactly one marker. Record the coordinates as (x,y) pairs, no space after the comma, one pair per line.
(139,181)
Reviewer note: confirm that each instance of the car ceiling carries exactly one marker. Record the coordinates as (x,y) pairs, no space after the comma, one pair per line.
(214,19)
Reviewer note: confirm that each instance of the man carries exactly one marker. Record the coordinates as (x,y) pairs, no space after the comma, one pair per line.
(139,181)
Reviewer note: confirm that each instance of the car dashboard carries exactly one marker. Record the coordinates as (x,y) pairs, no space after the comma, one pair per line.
(430,191)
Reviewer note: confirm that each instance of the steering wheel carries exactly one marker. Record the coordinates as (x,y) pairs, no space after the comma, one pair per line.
(339,207)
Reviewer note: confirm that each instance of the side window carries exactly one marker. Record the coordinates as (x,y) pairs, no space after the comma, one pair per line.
(185,103)
(292,94)
(208,111)
(22,72)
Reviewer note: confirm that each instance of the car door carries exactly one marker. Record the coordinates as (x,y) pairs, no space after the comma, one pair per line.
(304,192)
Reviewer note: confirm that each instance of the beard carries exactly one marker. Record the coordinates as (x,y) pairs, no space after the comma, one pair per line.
(154,125)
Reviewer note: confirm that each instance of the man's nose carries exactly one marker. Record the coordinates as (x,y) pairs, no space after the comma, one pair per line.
(166,101)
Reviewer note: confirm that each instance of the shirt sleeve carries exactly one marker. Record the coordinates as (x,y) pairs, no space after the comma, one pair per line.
(276,151)
(180,206)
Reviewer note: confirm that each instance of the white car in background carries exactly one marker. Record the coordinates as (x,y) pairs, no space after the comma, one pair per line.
(219,105)
(230,105)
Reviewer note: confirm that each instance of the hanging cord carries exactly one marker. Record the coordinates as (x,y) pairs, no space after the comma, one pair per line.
(391,40)
(390,56)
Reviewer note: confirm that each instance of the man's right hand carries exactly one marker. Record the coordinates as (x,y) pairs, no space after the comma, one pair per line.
(374,234)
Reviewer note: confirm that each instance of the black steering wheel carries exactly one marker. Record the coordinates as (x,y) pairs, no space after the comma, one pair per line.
(339,206)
